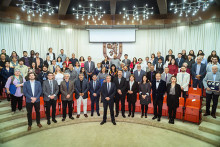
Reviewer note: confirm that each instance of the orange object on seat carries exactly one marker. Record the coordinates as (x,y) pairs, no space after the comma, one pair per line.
(194,96)
(41,101)
(165,99)
(198,91)
(192,112)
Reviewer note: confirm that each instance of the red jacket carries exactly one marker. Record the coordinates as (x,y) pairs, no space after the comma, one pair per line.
(173,69)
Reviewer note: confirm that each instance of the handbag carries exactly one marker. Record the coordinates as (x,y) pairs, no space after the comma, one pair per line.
(12,89)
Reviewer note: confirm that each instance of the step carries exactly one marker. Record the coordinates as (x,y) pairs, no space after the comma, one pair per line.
(210,128)
(217,111)
(204,104)
(4,110)
(210,119)
(208,137)
(5,103)
(8,125)
(9,116)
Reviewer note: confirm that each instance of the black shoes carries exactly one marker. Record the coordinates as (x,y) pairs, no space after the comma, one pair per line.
(91,114)
(98,114)
(48,122)
(154,117)
(132,115)
(114,123)
(102,122)
(129,115)
(206,114)
(116,115)
(54,120)
(213,115)
(158,119)
(63,119)
(123,116)
(72,118)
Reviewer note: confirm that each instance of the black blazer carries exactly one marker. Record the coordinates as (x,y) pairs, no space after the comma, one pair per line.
(157,93)
(132,98)
(105,93)
(173,100)
(149,75)
(46,64)
(122,86)
(167,57)
(54,58)
(41,62)
(29,60)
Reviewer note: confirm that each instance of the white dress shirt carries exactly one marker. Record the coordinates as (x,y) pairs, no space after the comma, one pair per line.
(32,87)
(131,84)
(157,84)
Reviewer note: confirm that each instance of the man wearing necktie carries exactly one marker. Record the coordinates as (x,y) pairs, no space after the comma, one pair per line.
(89,67)
(158,91)
(159,66)
(180,60)
(213,95)
(121,85)
(52,67)
(50,91)
(166,76)
(94,89)
(108,91)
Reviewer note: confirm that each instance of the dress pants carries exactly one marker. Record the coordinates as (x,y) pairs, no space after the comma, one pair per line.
(172,112)
(89,77)
(50,103)
(214,98)
(14,101)
(159,104)
(70,106)
(94,100)
(29,107)
(109,104)
(119,98)
(129,107)
(79,105)
(142,109)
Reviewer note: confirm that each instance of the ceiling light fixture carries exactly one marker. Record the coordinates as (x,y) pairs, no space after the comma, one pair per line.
(90,11)
(136,12)
(189,7)
(32,7)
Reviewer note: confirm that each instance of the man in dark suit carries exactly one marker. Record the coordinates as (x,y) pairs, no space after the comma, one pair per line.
(42,76)
(89,67)
(198,72)
(157,58)
(32,90)
(151,74)
(81,91)
(180,60)
(67,89)
(38,61)
(50,91)
(94,89)
(126,61)
(138,74)
(159,66)
(158,90)
(108,91)
(121,84)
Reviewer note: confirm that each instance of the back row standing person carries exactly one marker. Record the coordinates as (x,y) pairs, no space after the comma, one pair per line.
(89,67)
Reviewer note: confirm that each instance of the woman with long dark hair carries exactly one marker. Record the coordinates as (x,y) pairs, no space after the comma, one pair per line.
(132,88)
(144,95)
(133,63)
(81,61)
(82,70)
(173,94)
(113,72)
(173,68)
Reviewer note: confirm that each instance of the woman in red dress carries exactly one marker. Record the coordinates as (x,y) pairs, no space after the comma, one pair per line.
(173,68)
(67,62)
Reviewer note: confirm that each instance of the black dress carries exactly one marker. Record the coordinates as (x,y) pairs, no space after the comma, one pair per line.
(173,100)
(144,89)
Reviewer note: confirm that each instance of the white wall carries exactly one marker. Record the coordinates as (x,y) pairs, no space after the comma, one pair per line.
(21,37)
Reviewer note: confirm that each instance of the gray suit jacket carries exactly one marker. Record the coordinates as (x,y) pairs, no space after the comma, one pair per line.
(64,92)
(92,66)
(128,62)
(168,77)
(128,73)
(46,90)
(209,77)
(73,74)
(139,78)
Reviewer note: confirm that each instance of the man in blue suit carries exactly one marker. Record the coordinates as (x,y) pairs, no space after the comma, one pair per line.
(32,90)
(138,74)
(180,60)
(108,91)
(94,89)
(158,90)
(198,73)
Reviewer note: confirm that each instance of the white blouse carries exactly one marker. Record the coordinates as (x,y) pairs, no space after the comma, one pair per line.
(59,78)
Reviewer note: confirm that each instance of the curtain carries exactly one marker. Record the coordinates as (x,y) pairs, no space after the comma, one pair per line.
(20,37)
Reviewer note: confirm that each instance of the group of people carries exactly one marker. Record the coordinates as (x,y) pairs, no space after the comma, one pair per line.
(112,80)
